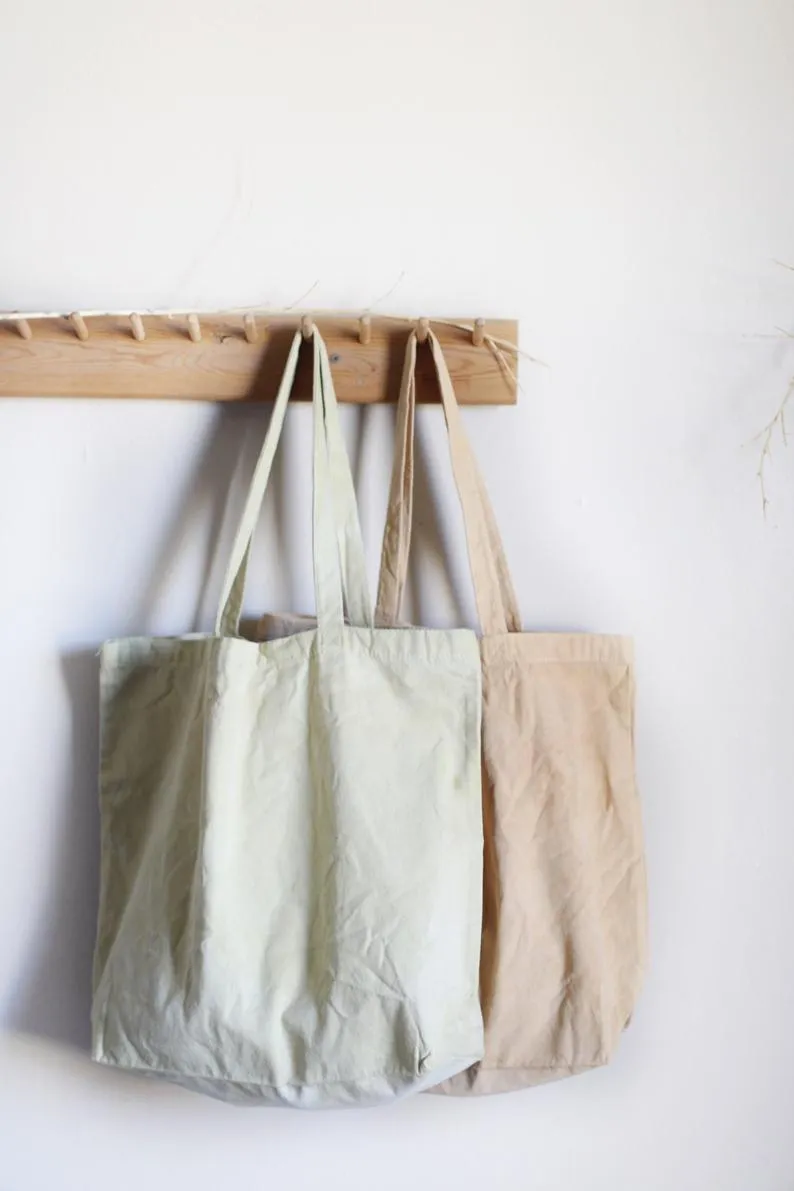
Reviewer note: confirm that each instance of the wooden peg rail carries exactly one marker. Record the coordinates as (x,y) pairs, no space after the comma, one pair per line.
(228,358)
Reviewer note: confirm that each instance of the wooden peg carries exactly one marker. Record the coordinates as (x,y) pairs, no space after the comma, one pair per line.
(249,326)
(138,329)
(78,323)
(23,327)
(478,333)
(365,329)
(422,330)
(194,328)
(307,327)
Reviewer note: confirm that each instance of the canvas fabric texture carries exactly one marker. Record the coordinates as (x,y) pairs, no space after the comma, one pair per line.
(291,835)
(564,932)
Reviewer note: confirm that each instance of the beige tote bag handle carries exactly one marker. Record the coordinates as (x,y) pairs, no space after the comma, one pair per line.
(497,606)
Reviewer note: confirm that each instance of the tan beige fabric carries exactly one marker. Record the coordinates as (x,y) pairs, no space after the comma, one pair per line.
(564,922)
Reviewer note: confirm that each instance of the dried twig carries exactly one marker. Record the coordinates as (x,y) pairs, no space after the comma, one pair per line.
(299,301)
(766,436)
(779,419)
(388,293)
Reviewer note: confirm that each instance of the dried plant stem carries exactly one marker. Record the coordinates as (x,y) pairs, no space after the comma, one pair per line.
(766,436)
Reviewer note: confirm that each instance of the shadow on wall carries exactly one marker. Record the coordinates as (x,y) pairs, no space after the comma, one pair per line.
(53,996)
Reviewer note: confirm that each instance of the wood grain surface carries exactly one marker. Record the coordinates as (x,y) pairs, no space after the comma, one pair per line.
(224,366)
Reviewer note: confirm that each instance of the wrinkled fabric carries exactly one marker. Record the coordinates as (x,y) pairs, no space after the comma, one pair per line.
(563,937)
(564,898)
(291,886)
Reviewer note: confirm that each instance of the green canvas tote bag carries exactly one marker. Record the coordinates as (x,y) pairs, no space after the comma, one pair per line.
(291,833)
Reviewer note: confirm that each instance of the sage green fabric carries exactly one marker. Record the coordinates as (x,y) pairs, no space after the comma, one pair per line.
(564,907)
(291,887)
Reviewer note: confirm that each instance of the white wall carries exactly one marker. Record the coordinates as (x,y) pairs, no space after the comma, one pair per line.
(620,177)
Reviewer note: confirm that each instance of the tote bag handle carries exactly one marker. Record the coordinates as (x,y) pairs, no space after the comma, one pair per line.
(338,550)
(497,607)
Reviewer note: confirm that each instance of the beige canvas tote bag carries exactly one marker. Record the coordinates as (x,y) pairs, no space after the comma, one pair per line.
(291,833)
(564,921)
